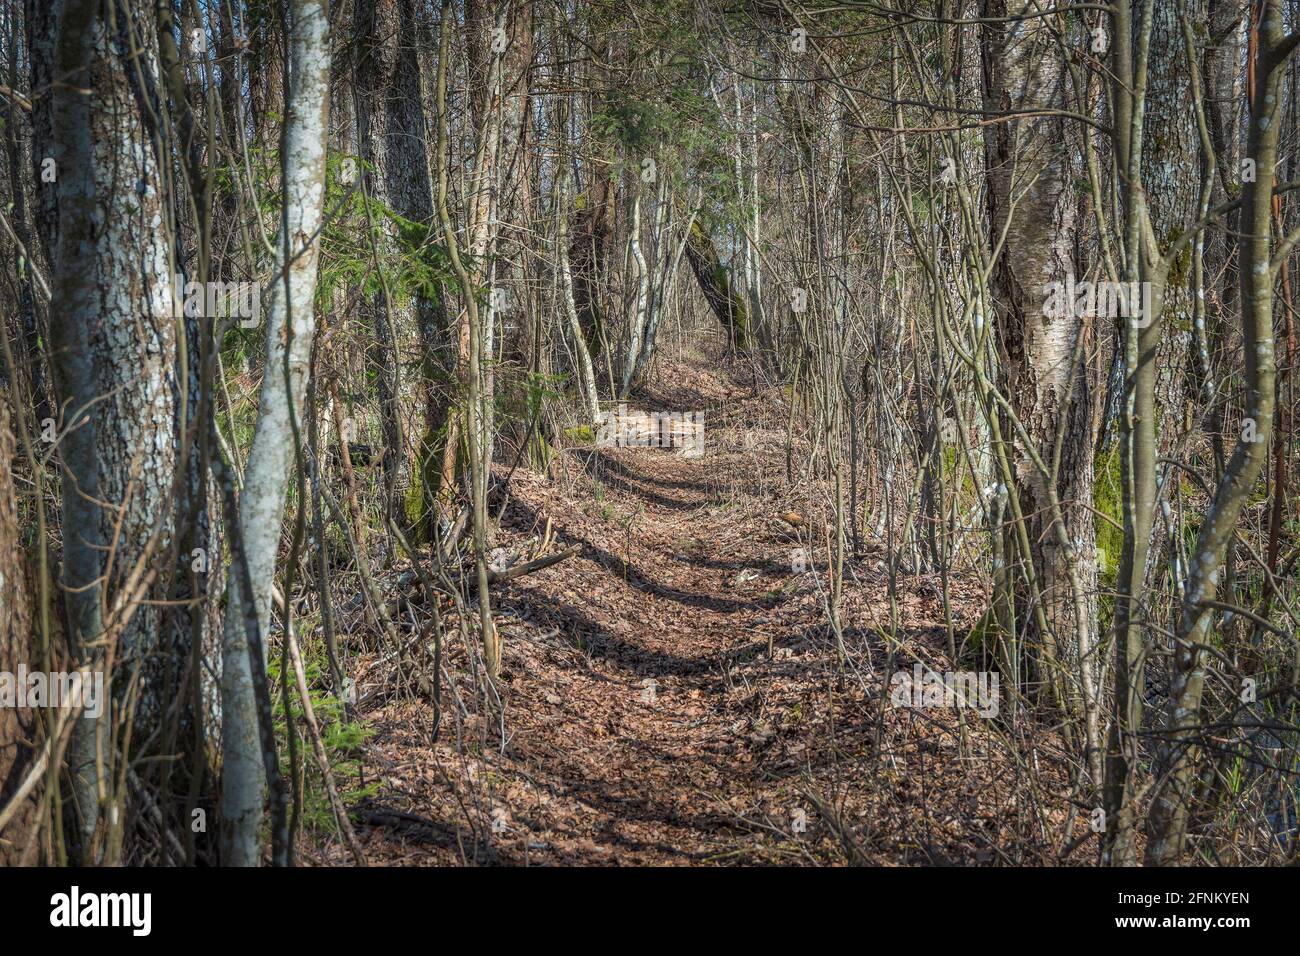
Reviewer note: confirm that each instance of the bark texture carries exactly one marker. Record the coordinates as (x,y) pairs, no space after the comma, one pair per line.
(290,327)
(1044,351)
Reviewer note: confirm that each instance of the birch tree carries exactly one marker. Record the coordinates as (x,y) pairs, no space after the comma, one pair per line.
(1043,346)
(114,354)
(1259,268)
(290,328)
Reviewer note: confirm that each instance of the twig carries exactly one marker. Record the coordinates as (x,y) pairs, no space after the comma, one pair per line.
(528,567)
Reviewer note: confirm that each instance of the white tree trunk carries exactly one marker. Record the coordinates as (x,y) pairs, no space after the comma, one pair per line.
(290,326)
(586,371)
(639,315)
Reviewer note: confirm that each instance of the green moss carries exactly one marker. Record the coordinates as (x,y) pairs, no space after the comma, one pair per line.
(733,313)
(1108,499)
(423,490)
(415,507)
(539,451)
(983,636)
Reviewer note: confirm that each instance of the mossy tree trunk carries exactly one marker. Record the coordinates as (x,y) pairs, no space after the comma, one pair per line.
(715,284)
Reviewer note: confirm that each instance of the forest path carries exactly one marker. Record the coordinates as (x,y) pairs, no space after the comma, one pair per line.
(645,722)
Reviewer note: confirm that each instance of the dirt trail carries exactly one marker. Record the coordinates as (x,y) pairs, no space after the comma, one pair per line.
(645,722)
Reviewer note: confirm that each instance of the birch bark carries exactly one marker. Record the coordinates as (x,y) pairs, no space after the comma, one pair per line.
(290,327)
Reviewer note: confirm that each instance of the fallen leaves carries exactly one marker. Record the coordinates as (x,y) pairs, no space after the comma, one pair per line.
(646,723)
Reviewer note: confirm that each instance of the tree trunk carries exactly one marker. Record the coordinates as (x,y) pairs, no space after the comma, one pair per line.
(1167,825)
(18,730)
(586,370)
(640,312)
(393,138)
(1046,378)
(716,286)
(114,345)
(290,328)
